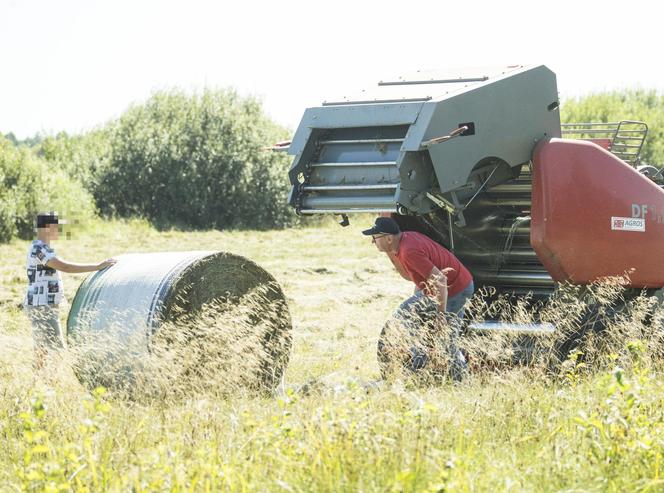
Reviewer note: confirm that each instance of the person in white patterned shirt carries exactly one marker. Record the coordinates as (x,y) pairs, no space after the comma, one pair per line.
(45,293)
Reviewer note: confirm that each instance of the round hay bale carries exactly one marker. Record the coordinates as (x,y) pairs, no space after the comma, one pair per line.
(177,321)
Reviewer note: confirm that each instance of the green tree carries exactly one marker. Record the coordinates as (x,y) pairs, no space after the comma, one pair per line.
(80,156)
(196,161)
(28,184)
(12,138)
(630,104)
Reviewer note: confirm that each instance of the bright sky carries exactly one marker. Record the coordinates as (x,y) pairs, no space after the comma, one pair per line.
(74,64)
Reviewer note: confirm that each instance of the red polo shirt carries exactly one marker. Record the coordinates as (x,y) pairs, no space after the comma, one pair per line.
(419,254)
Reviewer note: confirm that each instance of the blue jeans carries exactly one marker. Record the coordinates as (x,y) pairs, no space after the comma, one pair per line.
(418,309)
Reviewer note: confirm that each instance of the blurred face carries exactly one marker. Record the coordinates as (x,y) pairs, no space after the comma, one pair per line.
(53,231)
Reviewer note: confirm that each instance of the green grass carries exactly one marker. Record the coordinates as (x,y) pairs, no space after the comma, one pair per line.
(506,431)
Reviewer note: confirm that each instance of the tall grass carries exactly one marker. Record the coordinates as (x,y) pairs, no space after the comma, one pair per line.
(591,422)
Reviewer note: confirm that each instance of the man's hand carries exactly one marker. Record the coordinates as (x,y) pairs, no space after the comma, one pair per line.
(437,283)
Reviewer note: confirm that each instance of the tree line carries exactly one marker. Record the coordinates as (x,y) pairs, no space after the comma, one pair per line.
(178,160)
(198,161)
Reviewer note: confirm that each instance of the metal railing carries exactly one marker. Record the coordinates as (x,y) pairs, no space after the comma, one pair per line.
(624,138)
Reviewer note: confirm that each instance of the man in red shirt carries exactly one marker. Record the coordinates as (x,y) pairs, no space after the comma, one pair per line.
(442,284)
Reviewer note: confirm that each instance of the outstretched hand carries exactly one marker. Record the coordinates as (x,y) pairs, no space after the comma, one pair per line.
(107,263)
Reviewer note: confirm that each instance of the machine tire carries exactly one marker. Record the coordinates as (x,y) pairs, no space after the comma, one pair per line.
(594,321)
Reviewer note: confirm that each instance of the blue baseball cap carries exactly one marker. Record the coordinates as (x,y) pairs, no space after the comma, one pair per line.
(383,225)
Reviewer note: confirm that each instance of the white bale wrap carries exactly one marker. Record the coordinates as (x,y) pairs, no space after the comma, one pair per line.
(119,312)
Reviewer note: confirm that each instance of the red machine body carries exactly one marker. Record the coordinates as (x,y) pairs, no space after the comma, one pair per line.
(594,216)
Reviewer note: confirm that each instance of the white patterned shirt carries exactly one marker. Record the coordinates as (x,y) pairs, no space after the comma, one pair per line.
(44,283)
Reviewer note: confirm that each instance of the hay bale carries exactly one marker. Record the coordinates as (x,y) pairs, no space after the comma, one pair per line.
(172,321)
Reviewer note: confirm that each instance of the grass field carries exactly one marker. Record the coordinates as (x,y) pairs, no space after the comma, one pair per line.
(512,430)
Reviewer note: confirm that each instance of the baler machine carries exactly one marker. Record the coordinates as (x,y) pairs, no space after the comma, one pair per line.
(479,163)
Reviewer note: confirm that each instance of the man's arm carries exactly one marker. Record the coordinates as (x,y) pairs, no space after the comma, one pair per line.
(397,265)
(73,268)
